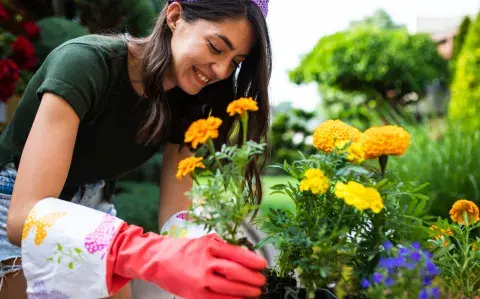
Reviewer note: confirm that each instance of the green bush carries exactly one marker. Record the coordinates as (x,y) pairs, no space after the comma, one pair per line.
(465,102)
(448,162)
(54,31)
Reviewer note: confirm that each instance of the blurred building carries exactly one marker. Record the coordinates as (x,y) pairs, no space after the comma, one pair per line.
(442,31)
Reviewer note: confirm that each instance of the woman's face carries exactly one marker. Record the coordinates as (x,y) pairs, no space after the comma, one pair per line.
(205,52)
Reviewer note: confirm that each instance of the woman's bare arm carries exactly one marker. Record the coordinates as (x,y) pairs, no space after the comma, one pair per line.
(172,190)
(45,161)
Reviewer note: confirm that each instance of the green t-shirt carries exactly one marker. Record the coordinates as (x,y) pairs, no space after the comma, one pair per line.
(91,74)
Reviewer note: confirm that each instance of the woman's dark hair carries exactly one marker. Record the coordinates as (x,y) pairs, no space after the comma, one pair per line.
(251,80)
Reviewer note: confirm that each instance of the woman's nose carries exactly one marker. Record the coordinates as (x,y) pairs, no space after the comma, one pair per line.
(221,69)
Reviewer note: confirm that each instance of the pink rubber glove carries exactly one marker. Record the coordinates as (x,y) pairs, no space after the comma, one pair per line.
(203,268)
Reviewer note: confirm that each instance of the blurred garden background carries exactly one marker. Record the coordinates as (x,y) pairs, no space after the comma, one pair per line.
(417,65)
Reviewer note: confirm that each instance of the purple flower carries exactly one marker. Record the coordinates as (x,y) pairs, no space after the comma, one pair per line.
(388,245)
(410,266)
(427,280)
(416,245)
(428,254)
(377,277)
(432,269)
(404,251)
(423,294)
(388,263)
(389,281)
(435,292)
(416,256)
(399,261)
(365,283)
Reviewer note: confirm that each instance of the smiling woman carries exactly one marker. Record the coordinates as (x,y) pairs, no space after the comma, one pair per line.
(98,108)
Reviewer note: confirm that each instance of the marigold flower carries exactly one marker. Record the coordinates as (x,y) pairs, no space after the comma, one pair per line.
(188,165)
(385,141)
(461,206)
(359,196)
(331,132)
(201,130)
(439,233)
(241,106)
(353,152)
(315,181)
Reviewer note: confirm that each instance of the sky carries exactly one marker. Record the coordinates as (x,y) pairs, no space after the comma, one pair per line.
(296,25)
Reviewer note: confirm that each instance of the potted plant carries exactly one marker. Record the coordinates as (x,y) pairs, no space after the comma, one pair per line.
(346,208)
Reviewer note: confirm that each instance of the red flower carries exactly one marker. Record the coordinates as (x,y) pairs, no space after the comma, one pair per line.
(3,14)
(9,75)
(31,28)
(23,53)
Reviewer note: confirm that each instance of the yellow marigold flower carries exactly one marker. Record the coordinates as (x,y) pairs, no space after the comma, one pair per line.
(385,141)
(315,181)
(241,106)
(469,207)
(353,152)
(332,131)
(188,165)
(359,196)
(201,130)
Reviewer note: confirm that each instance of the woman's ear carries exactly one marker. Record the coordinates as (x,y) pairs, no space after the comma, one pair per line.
(174,13)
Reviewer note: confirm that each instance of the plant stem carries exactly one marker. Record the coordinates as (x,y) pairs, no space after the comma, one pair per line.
(211,148)
(244,118)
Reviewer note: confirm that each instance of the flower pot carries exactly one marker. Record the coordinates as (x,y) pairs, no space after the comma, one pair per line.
(286,288)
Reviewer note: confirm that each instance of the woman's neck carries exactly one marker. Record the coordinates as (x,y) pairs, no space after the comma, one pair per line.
(135,71)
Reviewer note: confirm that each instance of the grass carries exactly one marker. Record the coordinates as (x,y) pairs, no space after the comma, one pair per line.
(139,204)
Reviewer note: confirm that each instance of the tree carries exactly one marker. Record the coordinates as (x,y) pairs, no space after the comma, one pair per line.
(459,39)
(288,133)
(388,66)
(380,19)
(465,102)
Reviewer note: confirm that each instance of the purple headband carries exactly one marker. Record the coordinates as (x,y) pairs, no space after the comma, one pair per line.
(263,4)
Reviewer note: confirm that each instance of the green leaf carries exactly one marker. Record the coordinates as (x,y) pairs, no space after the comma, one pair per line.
(60,248)
(278,187)
(78,251)
(59,260)
(50,259)
(70,265)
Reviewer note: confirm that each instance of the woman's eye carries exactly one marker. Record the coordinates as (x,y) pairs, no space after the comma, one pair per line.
(235,64)
(213,48)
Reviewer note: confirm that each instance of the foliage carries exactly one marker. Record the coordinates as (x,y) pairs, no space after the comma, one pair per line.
(459,40)
(223,200)
(122,15)
(387,66)
(457,253)
(380,19)
(288,135)
(344,227)
(54,31)
(445,158)
(465,102)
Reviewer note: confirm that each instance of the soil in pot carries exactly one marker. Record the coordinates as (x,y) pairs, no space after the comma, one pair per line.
(286,288)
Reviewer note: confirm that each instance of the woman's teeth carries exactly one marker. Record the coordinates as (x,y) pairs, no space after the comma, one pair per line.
(201,76)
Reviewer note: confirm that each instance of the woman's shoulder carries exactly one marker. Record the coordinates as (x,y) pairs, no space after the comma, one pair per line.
(107,46)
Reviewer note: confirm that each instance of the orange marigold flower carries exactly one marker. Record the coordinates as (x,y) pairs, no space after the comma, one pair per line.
(332,132)
(201,130)
(354,152)
(241,106)
(385,141)
(469,207)
(438,234)
(188,165)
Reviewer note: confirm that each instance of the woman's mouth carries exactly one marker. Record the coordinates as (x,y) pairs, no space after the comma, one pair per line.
(201,77)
